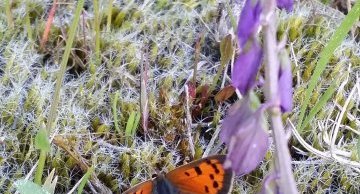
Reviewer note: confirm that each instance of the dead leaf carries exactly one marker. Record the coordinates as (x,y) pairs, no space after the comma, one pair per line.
(224,93)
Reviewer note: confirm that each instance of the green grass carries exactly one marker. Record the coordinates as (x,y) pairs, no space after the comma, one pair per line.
(85,85)
(324,57)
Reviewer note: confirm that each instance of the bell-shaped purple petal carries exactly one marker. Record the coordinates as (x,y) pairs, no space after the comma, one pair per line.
(285,84)
(285,4)
(237,113)
(249,21)
(246,67)
(244,133)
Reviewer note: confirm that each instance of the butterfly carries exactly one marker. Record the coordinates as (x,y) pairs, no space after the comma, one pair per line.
(203,176)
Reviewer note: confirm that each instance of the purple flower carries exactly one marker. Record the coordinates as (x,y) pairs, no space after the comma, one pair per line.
(249,21)
(246,67)
(247,141)
(285,83)
(285,4)
(239,111)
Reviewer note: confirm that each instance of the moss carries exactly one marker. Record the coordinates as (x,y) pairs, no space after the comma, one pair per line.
(169,30)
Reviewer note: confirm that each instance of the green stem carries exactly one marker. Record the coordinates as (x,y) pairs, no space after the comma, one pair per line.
(217,76)
(97,32)
(60,75)
(40,167)
(56,96)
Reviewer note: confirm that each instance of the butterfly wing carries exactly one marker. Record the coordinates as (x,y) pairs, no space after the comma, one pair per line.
(204,176)
(141,188)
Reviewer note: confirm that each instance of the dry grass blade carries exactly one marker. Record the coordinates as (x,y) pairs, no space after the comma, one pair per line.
(50,182)
(144,101)
(48,25)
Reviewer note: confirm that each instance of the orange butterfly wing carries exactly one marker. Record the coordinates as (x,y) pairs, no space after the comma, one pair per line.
(141,188)
(204,176)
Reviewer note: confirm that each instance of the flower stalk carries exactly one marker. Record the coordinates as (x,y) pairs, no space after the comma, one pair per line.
(283,160)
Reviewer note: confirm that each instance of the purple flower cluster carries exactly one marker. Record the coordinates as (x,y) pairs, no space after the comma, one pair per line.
(246,67)
(244,128)
(248,62)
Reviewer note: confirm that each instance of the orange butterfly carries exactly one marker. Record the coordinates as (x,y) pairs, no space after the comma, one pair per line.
(204,176)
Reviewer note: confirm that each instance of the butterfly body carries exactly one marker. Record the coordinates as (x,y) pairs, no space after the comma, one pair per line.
(162,185)
(204,176)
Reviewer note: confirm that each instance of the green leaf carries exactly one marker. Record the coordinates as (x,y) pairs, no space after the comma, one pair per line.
(136,123)
(326,53)
(42,141)
(130,124)
(85,179)
(28,187)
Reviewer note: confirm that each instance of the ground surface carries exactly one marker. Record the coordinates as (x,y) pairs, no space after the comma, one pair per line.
(97,99)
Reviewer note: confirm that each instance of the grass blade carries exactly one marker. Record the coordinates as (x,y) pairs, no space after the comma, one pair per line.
(60,77)
(130,124)
(136,124)
(320,104)
(325,55)
(85,179)
(42,141)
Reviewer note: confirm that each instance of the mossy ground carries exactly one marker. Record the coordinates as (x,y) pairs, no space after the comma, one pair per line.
(164,34)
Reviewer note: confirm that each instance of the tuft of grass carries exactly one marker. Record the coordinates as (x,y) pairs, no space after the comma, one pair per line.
(132,124)
(325,55)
